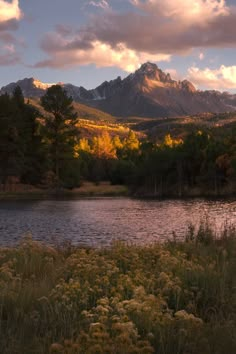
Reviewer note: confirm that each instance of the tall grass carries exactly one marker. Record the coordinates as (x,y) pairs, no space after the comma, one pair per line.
(174,298)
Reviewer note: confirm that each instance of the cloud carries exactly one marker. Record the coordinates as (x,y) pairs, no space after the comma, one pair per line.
(64,30)
(152,29)
(10,48)
(155,32)
(10,14)
(7,37)
(98,53)
(9,11)
(217,79)
(201,56)
(8,60)
(173,73)
(103,4)
(195,10)
(8,55)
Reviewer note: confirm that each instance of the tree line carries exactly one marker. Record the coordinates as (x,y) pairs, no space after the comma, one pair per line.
(48,151)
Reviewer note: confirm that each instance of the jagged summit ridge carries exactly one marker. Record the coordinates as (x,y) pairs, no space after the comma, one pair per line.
(152,71)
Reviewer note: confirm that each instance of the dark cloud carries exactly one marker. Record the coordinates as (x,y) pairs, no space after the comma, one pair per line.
(11,25)
(56,42)
(154,34)
(7,37)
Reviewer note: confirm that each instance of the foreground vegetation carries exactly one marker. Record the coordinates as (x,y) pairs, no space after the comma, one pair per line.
(175,298)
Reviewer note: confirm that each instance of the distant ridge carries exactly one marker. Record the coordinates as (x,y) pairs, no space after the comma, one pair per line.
(148,92)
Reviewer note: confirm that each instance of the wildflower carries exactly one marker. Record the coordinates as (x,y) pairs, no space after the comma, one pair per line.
(183,315)
(56,348)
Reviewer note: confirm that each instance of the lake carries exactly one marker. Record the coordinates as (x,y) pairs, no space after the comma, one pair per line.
(98,222)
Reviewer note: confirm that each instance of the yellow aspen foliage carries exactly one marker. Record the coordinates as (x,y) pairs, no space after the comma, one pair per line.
(83,145)
(103,147)
(132,142)
(170,142)
(117,142)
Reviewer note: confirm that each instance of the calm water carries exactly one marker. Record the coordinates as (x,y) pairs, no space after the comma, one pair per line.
(97,222)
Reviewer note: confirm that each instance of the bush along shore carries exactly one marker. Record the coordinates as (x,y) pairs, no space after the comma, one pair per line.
(172,298)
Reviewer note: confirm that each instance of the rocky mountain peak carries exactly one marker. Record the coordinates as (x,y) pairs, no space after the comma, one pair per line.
(152,72)
(148,67)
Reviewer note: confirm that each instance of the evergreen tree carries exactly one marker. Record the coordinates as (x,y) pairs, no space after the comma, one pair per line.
(60,128)
(10,153)
(20,142)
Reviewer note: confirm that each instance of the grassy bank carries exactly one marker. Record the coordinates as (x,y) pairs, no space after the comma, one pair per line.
(88,189)
(176,298)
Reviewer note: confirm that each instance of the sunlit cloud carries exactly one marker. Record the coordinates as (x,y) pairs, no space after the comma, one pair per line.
(10,14)
(152,30)
(195,10)
(218,79)
(100,54)
(9,11)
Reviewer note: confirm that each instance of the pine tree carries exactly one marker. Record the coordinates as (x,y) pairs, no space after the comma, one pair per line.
(60,128)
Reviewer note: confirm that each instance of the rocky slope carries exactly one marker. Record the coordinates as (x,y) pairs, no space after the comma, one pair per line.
(149,92)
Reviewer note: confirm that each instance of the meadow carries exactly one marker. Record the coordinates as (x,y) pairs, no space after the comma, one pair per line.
(172,298)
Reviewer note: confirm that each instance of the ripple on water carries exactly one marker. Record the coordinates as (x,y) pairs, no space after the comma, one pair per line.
(98,222)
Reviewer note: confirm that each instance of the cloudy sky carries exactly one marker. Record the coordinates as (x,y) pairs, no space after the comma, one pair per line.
(85,42)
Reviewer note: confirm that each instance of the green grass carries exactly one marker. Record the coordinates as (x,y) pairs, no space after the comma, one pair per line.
(173,298)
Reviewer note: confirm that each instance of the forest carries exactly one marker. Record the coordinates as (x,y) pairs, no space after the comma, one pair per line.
(48,150)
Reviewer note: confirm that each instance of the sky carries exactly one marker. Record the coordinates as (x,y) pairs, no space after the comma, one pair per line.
(85,42)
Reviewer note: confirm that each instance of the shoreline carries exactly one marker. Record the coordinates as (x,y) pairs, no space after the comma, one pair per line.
(48,195)
(105,189)
(85,191)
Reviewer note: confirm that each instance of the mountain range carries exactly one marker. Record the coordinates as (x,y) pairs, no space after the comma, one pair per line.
(148,92)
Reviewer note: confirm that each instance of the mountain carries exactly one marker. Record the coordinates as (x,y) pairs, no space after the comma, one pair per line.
(149,92)
(30,87)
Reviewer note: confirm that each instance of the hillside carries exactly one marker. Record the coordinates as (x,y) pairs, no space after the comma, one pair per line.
(83,111)
(179,127)
(93,122)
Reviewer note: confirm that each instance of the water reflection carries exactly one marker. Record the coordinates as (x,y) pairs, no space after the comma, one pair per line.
(97,222)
